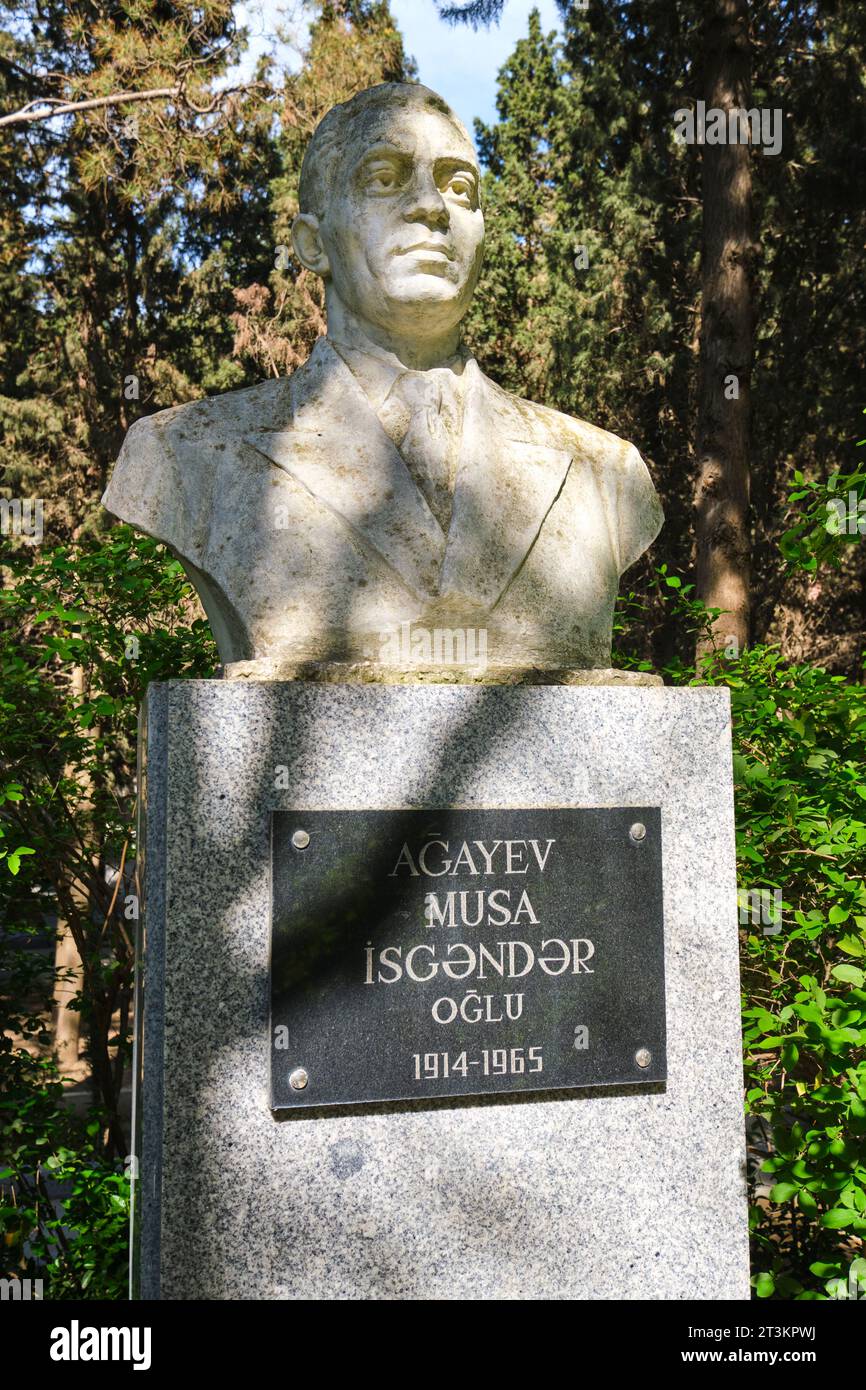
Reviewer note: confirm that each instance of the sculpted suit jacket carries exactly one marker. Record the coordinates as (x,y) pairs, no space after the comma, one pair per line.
(299,523)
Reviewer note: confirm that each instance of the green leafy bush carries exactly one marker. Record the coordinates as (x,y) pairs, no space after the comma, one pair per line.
(800,783)
(799,740)
(83,629)
(64,1211)
(828,515)
(800,787)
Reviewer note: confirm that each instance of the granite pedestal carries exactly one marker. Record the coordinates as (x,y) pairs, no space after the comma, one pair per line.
(611,1194)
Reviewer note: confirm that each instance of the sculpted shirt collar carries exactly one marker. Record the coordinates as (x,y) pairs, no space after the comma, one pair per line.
(376,370)
(509,474)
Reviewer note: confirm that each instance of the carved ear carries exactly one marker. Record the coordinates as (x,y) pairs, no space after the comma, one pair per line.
(308,245)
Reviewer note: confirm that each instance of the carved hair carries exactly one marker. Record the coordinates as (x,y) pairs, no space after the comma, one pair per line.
(335,130)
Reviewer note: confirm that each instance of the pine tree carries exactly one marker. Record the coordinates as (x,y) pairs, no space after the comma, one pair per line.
(130,231)
(617,340)
(722,520)
(522,303)
(352,45)
(114,245)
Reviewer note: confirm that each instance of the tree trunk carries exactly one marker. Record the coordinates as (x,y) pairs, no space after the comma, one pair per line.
(68,967)
(68,978)
(722,529)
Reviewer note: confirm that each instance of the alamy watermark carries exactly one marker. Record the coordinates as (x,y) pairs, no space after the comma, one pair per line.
(846,518)
(761,907)
(854,1287)
(20,1290)
(77,1343)
(439,646)
(22,518)
(736,126)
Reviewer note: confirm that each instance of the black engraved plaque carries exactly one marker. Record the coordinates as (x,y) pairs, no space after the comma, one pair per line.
(464,952)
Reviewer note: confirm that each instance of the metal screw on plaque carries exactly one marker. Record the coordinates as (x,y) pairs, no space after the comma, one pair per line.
(300,839)
(298,1079)
(637,832)
(643,1057)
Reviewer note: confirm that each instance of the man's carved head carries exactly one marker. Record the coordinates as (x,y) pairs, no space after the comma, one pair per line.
(390,211)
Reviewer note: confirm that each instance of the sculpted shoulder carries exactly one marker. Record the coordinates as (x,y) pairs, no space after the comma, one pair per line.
(621,480)
(173,464)
(267,405)
(560,431)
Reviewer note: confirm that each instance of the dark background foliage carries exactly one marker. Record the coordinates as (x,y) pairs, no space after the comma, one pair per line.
(144,261)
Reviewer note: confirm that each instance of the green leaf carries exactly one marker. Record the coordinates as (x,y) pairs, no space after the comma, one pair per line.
(837,1218)
(849,974)
(783,1191)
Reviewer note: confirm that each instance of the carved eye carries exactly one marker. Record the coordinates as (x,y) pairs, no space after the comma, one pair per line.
(382,178)
(462,186)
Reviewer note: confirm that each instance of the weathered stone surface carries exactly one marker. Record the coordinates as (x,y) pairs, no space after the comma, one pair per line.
(587,1195)
(367,672)
(388,481)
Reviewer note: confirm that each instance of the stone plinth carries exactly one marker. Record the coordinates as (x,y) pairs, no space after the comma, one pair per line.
(585,1195)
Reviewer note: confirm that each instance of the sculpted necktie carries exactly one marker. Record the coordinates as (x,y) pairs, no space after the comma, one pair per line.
(421,413)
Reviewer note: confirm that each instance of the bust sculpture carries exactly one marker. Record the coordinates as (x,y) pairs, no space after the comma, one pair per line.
(387,484)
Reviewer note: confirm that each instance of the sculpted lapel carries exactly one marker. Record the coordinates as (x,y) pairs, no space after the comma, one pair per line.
(337,449)
(505,485)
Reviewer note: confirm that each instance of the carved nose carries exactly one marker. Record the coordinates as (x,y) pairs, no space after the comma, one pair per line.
(426,203)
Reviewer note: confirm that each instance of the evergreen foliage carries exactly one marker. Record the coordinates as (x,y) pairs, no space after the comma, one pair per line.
(145,260)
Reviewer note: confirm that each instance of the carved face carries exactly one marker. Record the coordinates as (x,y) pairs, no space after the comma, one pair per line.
(404,229)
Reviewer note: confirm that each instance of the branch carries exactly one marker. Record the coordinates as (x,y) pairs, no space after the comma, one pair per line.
(34,110)
(477,13)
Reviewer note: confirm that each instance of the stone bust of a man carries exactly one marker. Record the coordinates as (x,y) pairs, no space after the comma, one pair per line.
(387,485)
